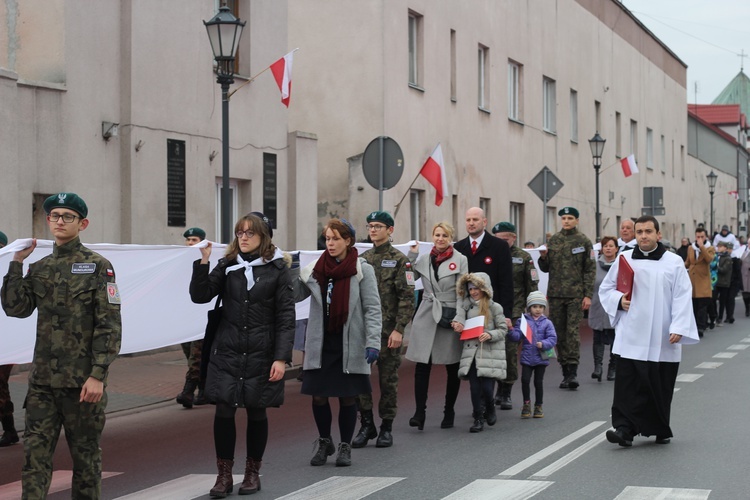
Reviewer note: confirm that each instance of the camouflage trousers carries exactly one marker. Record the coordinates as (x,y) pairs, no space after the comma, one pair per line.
(47,411)
(6,405)
(511,359)
(192,351)
(566,315)
(388,363)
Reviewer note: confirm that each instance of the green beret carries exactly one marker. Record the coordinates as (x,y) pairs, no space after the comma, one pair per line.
(383,217)
(568,211)
(195,231)
(66,200)
(503,227)
(3,239)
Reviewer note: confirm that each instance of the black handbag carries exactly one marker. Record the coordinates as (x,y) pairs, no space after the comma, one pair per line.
(447,317)
(214,318)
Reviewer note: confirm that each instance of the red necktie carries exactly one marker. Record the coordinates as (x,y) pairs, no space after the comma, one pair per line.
(473,247)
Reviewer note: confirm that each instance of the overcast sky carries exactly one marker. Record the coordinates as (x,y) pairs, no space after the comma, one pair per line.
(707,35)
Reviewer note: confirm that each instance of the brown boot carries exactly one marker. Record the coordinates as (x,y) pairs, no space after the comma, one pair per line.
(251,482)
(224,481)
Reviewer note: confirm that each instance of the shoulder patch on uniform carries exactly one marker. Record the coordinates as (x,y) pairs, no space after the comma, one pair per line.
(83,268)
(113,294)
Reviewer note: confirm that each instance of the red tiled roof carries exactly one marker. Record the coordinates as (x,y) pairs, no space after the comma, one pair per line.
(711,126)
(719,114)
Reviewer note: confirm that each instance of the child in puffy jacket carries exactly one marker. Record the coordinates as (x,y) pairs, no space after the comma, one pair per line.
(482,358)
(533,357)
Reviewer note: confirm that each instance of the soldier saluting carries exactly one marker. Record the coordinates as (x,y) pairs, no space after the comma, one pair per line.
(78,336)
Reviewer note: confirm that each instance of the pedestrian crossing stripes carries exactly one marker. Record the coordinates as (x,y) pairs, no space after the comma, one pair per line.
(688,377)
(738,347)
(342,488)
(182,488)
(61,481)
(492,489)
(646,493)
(725,355)
(709,365)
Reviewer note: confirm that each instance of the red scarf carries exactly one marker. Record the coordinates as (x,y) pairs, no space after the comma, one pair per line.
(329,270)
(438,258)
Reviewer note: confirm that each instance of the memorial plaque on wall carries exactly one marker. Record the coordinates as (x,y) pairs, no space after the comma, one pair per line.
(269,187)
(175,183)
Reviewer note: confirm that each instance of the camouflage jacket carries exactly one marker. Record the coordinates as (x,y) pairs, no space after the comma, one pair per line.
(78,328)
(396,295)
(525,279)
(570,265)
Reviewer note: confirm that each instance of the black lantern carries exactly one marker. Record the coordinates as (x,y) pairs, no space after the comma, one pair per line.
(711,178)
(596,144)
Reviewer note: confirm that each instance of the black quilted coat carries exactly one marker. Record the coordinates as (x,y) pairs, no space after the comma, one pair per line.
(257,328)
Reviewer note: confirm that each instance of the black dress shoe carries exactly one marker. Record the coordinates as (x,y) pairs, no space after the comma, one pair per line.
(417,420)
(663,440)
(619,437)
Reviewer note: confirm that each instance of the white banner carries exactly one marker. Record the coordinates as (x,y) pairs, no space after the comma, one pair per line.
(154,285)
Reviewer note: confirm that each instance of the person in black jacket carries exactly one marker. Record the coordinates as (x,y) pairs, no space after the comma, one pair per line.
(252,345)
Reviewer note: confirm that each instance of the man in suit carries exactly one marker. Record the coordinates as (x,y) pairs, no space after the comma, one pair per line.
(487,254)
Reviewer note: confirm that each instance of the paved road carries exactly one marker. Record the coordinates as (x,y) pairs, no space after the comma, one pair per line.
(167,452)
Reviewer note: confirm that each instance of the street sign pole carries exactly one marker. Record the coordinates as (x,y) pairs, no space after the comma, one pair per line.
(381,146)
(544,217)
(545,185)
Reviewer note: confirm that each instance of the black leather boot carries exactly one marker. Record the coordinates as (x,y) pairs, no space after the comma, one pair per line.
(478,423)
(385,438)
(200,398)
(598,359)
(505,402)
(367,431)
(224,481)
(418,419)
(612,367)
(572,377)
(448,417)
(564,384)
(185,398)
(10,435)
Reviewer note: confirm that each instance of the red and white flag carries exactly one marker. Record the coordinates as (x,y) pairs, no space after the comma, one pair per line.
(434,171)
(282,72)
(628,165)
(526,329)
(473,328)
(734,194)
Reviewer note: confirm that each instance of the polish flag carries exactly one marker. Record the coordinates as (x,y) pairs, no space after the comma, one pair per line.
(526,329)
(734,194)
(628,166)
(282,72)
(434,171)
(473,328)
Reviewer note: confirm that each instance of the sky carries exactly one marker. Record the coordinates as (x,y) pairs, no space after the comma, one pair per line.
(707,35)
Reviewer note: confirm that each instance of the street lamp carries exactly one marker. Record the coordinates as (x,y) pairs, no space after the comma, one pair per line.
(224,32)
(711,189)
(597,148)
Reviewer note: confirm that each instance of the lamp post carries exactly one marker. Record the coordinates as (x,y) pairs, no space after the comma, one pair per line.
(224,32)
(597,148)
(711,189)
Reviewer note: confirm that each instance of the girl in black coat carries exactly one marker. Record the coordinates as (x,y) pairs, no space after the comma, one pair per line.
(252,344)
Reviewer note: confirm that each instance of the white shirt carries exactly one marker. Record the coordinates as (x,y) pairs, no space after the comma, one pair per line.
(661,304)
(729,238)
(478,240)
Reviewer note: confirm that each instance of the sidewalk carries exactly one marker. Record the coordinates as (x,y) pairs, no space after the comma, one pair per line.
(135,380)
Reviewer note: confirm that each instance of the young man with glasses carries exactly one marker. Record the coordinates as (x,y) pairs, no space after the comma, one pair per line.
(396,288)
(78,336)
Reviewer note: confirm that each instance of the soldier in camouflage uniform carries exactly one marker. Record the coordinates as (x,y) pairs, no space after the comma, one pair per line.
(525,278)
(569,261)
(193,350)
(78,336)
(10,435)
(396,287)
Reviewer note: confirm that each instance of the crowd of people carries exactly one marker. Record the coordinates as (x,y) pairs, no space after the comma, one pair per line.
(479,314)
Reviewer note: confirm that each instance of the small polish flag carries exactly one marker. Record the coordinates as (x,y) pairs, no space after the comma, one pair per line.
(628,165)
(434,171)
(473,328)
(526,329)
(734,194)
(282,72)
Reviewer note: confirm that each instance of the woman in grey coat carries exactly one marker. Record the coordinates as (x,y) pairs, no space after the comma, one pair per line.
(343,336)
(604,334)
(431,343)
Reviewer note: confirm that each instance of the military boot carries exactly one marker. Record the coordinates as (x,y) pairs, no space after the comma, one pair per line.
(10,435)
(572,377)
(505,402)
(200,398)
(612,367)
(185,398)
(564,384)
(598,358)
(385,438)
(478,423)
(367,431)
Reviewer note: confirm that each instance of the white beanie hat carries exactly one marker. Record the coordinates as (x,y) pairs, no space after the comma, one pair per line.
(536,298)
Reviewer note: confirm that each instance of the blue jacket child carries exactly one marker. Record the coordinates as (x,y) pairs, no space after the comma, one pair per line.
(543,331)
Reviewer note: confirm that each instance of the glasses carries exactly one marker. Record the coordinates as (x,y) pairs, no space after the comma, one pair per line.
(375,227)
(240,234)
(67,218)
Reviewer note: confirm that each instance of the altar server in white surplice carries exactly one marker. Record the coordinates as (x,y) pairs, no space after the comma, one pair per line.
(649,331)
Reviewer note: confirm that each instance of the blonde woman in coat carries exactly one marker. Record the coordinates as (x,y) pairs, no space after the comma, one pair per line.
(431,344)
(482,358)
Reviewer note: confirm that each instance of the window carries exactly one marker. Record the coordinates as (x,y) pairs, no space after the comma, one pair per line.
(415,49)
(598,115)
(484,204)
(682,164)
(483,78)
(516,218)
(548,104)
(633,139)
(241,64)
(649,148)
(618,135)
(663,156)
(551,223)
(453,65)
(454,218)
(416,215)
(514,91)
(574,116)
(234,207)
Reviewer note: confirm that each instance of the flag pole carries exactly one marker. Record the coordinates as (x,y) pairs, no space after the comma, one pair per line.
(398,205)
(256,76)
